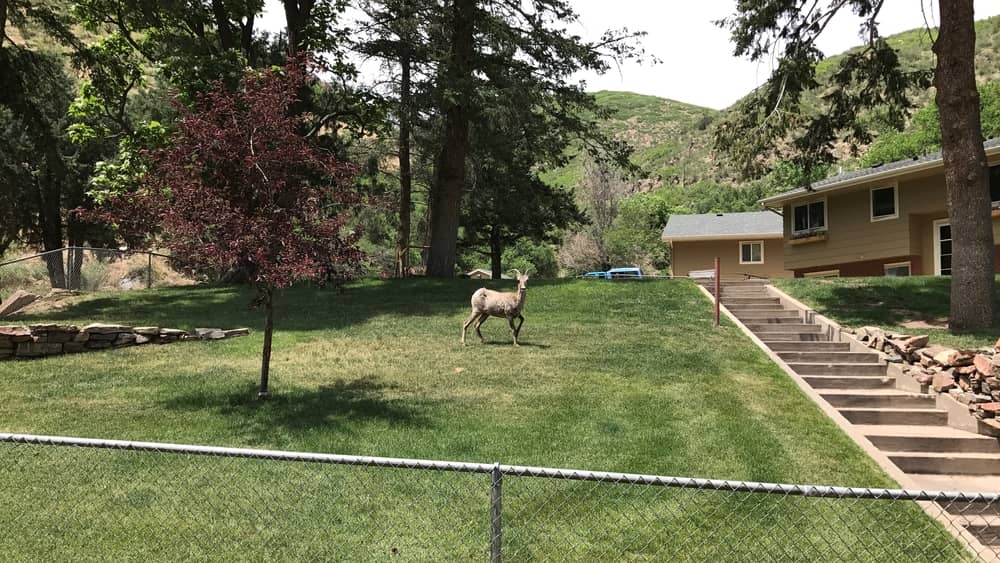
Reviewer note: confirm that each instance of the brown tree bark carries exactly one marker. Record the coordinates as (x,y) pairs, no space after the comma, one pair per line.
(297,15)
(405,174)
(972,280)
(496,253)
(267,296)
(447,193)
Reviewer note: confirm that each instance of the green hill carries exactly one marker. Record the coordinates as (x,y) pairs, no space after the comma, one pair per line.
(673,140)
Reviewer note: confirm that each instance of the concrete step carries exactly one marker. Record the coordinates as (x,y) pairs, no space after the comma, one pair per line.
(947,462)
(830,357)
(769,320)
(972,508)
(737,309)
(847,382)
(907,416)
(884,398)
(799,346)
(967,483)
(928,439)
(797,328)
(747,314)
(769,338)
(751,301)
(875,370)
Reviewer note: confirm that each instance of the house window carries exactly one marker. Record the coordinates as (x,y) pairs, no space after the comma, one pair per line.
(752,252)
(809,218)
(897,269)
(884,203)
(823,274)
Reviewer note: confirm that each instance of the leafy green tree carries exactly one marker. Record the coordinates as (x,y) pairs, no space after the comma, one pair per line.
(865,79)
(486,45)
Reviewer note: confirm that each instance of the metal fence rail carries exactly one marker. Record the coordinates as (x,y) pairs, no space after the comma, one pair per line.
(108,499)
(82,268)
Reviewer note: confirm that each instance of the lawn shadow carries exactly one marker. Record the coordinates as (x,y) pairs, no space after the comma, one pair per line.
(328,407)
(301,308)
(521,344)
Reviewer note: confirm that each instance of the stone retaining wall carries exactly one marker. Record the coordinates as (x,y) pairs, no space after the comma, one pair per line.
(972,377)
(35,341)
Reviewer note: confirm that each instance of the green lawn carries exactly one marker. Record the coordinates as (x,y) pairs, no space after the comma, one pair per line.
(894,303)
(626,377)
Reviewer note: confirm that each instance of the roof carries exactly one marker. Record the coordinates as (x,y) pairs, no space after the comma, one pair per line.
(723,226)
(877,172)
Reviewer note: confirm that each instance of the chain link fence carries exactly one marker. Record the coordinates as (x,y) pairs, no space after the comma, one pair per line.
(103,500)
(87,269)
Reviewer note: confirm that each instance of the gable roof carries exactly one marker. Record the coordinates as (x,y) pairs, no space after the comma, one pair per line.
(873,173)
(723,226)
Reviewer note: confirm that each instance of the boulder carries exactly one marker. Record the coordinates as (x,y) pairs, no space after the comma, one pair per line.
(17,301)
(983,364)
(35,349)
(234,332)
(925,378)
(943,381)
(950,357)
(15,333)
(991,407)
(210,333)
(141,339)
(914,342)
(124,339)
(147,330)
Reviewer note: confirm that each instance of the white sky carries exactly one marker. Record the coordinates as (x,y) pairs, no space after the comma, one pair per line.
(698,65)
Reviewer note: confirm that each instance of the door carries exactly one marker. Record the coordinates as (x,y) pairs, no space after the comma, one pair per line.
(942,247)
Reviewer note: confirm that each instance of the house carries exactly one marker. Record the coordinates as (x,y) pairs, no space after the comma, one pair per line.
(745,243)
(890,220)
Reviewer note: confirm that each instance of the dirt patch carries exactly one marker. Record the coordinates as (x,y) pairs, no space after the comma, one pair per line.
(922,324)
(55,300)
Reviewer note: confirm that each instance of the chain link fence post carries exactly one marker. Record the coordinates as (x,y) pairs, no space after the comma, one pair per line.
(496,514)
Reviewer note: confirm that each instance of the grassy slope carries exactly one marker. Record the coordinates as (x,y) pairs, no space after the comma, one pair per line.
(886,302)
(625,377)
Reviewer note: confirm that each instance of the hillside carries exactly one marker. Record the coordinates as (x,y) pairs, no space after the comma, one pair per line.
(673,140)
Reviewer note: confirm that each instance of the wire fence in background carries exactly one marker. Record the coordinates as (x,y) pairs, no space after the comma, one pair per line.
(88,269)
(110,500)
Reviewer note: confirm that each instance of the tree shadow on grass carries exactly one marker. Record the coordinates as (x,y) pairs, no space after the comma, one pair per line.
(522,344)
(330,407)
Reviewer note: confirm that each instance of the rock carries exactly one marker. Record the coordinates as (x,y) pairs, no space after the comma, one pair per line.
(147,330)
(97,344)
(943,382)
(172,333)
(951,358)
(98,328)
(74,347)
(966,370)
(210,333)
(234,332)
(15,333)
(124,339)
(17,301)
(931,351)
(991,407)
(983,364)
(967,398)
(980,398)
(914,342)
(35,349)
(924,378)
(140,339)
(893,358)
(997,345)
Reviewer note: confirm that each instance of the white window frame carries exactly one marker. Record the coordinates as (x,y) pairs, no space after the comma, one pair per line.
(760,242)
(887,267)
(895,200)
(826,216)
(823,274)
(937,243)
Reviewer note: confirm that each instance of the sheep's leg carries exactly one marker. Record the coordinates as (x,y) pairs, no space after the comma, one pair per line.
(513,331)
(479,323)
(472,317)
(520,323)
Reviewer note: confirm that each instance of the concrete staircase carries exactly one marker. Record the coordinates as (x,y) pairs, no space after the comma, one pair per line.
(906,426)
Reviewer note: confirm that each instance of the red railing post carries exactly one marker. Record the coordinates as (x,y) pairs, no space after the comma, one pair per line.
(716,291)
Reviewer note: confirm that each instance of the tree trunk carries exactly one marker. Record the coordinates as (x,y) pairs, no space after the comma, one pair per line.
(405,175)
(297,16)
(972,261)
(74,266)
(47,193)
(496,252)
(265,364)
(447,194)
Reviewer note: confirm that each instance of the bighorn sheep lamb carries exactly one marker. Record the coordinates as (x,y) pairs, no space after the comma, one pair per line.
(487,303)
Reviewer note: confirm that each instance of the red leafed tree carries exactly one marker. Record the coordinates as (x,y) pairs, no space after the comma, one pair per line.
(240,188)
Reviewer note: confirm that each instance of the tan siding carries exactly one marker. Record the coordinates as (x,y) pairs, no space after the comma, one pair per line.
(700,255)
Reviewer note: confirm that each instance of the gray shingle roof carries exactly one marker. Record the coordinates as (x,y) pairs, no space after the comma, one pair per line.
(723,225)
(854,176)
